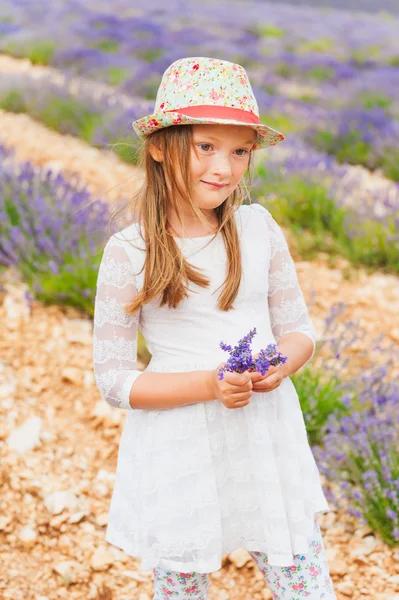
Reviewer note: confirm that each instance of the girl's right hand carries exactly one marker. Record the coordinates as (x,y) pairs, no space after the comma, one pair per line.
(234,390)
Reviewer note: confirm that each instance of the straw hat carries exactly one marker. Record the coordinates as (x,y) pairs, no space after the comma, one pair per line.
(201,90)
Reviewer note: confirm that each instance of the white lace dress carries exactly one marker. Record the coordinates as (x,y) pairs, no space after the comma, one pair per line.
(196,482)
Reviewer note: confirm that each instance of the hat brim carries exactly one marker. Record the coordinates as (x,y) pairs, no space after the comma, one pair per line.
(267,136)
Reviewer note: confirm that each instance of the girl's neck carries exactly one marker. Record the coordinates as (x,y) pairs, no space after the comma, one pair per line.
(193,228)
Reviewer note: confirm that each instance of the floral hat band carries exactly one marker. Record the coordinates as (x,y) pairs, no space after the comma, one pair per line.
(201,90)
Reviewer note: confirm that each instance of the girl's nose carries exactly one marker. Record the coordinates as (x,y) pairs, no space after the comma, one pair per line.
(221,167)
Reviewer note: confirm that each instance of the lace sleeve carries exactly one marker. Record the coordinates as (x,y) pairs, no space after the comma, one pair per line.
(287,309)
(115,332)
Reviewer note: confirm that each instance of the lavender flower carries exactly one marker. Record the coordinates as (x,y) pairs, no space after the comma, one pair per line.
(241,358)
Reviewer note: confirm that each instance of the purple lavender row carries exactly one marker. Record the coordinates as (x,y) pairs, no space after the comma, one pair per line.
(51,232)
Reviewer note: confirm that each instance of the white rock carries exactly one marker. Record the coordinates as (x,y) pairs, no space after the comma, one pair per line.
(364,548)
(394,579)
(134,575)
(4,521)
(58,501)
(15,305)
(101,489)
(78,516)
(338,567)
(7,391)
(66,570)
(104,411)
(345,587)
(239,557)
(72,374)
(28,536)
(27,436)
(104,475)
(47,436)
(79,330)
(101,560)
(331,553)
(102,519)
(88,379)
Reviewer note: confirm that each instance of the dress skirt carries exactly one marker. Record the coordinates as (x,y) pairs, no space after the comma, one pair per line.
(196,482)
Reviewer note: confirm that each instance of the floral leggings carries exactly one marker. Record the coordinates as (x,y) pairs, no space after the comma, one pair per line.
(308,577)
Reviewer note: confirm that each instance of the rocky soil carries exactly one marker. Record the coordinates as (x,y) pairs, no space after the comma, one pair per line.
(59,441)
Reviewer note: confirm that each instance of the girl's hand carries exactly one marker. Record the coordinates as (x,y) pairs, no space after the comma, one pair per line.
(268,382)
(234,390)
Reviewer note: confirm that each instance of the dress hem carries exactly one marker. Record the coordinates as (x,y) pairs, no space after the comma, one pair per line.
(212,565)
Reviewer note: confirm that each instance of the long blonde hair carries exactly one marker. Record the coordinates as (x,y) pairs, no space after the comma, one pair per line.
(167,272)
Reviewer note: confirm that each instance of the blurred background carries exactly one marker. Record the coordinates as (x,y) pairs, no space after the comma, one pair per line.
(73,76)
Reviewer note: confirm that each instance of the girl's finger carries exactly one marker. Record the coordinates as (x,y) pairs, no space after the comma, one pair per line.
(267,383)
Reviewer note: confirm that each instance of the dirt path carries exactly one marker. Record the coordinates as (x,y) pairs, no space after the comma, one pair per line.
(46,372)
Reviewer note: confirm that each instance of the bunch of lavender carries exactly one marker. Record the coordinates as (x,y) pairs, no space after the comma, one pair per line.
(241,358)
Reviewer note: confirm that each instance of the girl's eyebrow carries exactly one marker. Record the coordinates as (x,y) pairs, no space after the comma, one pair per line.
(210,137)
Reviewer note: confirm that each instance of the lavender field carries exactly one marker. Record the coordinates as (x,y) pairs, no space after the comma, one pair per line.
(329,80)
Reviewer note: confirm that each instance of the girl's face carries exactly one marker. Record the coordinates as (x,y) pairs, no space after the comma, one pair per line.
(220,156)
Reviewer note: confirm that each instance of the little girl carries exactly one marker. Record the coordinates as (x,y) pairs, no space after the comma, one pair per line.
(206,466)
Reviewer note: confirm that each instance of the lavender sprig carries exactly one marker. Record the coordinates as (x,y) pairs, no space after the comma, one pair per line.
(241,358)
(267,357)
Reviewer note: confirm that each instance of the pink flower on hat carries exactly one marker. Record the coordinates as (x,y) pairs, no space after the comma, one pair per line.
(153,123)
(215,95)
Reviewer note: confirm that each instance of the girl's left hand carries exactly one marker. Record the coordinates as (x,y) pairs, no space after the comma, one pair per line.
(269,381)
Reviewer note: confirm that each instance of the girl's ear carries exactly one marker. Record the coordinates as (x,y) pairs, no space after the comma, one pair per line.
(156,153)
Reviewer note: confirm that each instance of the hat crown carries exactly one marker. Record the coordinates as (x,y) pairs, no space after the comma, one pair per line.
(198,81)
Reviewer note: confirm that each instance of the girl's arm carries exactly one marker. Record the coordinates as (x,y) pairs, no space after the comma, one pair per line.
(115,332)
(289,317)
(115,336)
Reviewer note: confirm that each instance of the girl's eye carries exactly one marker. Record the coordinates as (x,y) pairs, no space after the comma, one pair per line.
(240,149)
(245,151)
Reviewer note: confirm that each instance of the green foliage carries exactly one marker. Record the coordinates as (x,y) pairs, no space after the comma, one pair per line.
(126,150)
(116,75)
(321,45)
(362,55)
(143,353)
(106,45)
(285,70)
(66,286)
(150,54)
(269,30)
(319,225)
(13,101)
(346,148)
(39,52)
(318,397)
(370,99)
(265,30)
(320,73)
(390,164)
(280,122)
(70,115)
(352,149)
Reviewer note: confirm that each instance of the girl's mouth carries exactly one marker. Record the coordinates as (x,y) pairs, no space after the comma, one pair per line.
(215,185)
